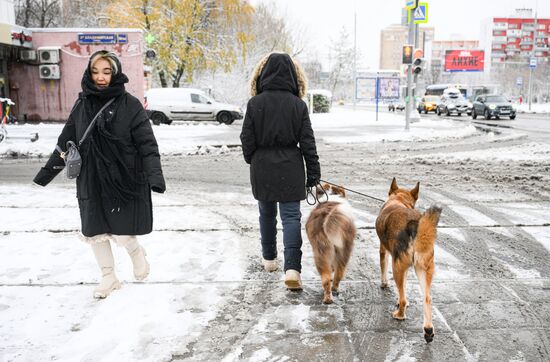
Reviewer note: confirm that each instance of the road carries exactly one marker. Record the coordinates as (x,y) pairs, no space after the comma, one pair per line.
(537,126)
(491,292)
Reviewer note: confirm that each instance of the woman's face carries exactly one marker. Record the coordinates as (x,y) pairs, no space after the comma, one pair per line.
(101,73)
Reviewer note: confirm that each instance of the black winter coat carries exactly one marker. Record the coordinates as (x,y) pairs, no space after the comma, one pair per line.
(141,156)
(277,136)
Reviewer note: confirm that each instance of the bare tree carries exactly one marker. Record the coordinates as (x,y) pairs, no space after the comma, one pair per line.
(38,13)
(341,73)
(82,13)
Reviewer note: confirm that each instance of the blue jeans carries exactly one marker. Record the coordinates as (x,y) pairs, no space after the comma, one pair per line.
(292,232)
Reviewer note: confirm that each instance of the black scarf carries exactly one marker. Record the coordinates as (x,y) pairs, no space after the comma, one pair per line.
(106,150)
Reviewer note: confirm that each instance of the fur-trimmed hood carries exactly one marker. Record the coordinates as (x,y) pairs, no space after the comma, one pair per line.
(278,71)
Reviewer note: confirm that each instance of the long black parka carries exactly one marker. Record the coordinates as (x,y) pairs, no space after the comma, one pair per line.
(140,154)
(277,136)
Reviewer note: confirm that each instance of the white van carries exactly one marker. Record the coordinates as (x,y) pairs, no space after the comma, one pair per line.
(165,105)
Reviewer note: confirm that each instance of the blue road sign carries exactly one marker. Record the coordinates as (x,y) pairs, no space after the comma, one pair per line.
(519,81)
(97,38)
(532,62)
(420,14)
(122,38)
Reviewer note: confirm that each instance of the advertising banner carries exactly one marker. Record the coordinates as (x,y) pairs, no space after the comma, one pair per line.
(388,88)
(464,60)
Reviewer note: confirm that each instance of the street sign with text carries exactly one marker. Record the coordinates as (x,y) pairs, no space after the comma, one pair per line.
(519,81)
(532,62)
(464,60)
(410,4)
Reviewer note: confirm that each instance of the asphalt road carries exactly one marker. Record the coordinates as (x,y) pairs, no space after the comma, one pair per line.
(491,292)
(536,126)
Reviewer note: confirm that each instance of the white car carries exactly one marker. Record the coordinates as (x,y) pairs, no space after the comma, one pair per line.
(165,105)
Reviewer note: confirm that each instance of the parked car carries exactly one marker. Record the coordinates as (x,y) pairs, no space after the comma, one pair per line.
(428,104)
(493,106)
(452,101)
(165,105)
(399,106)
(470,105)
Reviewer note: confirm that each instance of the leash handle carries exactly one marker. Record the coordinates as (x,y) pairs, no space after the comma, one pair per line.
(316,200)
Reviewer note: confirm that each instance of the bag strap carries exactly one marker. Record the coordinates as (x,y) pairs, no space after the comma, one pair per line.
(78,100)
(87,132)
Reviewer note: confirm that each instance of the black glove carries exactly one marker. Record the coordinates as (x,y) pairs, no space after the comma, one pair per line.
(158,189)
(311,182)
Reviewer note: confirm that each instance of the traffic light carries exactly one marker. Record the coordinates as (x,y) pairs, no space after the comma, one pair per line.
(407,54)
(418,61)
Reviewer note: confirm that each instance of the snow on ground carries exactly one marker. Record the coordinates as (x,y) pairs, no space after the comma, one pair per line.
(197,250)
(540,234)
(532,151)
(181,138)
(535,108)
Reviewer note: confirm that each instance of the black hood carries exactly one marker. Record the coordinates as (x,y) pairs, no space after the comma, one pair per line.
(116,87)
(278,73)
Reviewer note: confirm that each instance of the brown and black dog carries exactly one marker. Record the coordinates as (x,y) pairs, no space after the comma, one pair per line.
(409,236)
(331,231)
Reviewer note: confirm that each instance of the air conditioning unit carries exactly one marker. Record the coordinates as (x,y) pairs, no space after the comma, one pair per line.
(48,55)
(49,71)
(28,55)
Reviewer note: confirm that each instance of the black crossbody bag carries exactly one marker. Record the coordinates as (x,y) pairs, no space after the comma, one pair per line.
(73,161)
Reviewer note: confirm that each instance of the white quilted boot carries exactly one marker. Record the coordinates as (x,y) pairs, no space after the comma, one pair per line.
(106,262)
(137,254)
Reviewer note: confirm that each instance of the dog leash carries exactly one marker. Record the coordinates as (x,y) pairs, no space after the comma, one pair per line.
(316,200)
(350,190)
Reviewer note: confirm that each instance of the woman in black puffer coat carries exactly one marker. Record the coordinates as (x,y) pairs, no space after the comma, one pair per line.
(120,167)
(277,138)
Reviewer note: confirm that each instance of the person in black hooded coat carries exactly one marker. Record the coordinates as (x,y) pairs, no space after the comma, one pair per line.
(276,139)
(120,167)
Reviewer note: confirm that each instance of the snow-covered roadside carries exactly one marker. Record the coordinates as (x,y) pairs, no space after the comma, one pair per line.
(339,126)
(535,108)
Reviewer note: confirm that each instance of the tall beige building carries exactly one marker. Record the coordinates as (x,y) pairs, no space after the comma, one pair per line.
(392,39)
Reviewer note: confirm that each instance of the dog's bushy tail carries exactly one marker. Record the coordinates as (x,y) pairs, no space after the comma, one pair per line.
(426,231)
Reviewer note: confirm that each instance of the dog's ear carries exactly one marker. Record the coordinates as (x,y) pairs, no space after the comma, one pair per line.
(336,190)
(414,192)
(393,186)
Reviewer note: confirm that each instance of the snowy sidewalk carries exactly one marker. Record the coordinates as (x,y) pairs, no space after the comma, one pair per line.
(203,247)
(207,297)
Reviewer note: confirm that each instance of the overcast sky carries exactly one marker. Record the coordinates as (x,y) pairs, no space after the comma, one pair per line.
(322,20)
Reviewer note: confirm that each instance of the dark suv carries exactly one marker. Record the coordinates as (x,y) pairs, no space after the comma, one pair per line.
(492,106)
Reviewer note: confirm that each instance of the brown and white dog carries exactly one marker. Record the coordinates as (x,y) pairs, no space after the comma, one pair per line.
(331,231)
(409,236)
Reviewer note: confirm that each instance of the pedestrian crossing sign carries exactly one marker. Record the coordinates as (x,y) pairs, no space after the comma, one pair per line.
(420,14)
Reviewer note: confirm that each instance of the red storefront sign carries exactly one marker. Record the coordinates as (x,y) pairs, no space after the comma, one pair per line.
(464,60)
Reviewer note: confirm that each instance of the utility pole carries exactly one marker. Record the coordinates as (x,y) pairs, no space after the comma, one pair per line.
(354,57)
(532,56)
(409,71)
